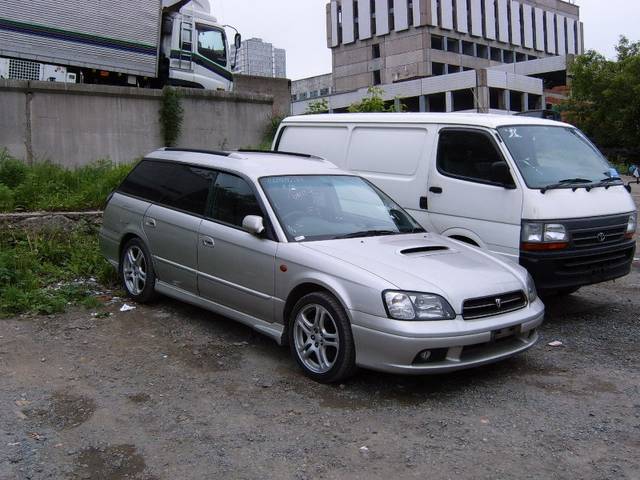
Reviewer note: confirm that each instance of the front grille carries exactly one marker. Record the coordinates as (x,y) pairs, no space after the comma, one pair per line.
(493,305)
(597,232)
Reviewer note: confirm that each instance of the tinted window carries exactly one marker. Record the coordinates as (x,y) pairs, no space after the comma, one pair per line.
(233,200)
(467,154)
(172,184)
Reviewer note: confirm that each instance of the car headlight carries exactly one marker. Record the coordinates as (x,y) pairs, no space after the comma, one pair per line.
(532,293)
(417,306)
(544,236)
(633,224)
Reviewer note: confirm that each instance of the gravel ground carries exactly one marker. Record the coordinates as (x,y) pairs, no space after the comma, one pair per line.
(173,392)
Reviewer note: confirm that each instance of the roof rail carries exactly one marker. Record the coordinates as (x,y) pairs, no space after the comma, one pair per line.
(196,150)
(278,152)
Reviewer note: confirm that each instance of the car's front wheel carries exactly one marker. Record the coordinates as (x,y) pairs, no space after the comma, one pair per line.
(320,338)
(136,271)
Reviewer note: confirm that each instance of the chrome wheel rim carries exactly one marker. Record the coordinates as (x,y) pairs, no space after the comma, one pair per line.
(316,339)
(134,270)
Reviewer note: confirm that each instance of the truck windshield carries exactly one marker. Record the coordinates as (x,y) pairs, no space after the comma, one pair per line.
(325,207)
(212,44)
(549,155)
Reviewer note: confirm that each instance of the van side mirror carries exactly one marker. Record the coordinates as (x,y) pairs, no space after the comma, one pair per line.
(253,224)
(501,174)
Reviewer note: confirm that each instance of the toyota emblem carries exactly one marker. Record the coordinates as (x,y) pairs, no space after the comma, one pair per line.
(601,237)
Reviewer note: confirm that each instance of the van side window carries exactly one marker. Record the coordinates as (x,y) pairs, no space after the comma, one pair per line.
(233,199)
(467,155)
(174,185)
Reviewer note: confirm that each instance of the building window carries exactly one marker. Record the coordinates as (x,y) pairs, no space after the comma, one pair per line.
(324,92)
(392,20)
(515,100)
(377,78)
(294,97)
(468,48)
(496,99)
(453,45)
(410,6)
(375,50)
(303,96)
(373,17)
(508,56)
(521,57)
(482,51)
(437,68)
(496,54)
(437,42)
(453,69)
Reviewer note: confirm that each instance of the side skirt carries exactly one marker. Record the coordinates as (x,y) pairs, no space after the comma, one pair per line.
(272,330)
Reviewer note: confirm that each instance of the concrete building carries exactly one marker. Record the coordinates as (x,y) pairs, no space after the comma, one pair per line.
(312,88)
(447,55)
(259,58)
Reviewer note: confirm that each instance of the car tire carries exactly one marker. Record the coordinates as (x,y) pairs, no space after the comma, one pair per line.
(320,338)
(136,272)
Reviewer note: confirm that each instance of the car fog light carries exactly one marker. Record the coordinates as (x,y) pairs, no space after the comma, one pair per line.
(425,355)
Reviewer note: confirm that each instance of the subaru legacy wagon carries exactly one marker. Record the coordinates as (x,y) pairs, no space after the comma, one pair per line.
(315,258)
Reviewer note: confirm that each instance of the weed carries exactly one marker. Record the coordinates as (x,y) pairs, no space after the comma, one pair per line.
(44,272)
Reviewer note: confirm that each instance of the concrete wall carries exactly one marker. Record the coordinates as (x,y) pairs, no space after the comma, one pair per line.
(77,124)
(278,88)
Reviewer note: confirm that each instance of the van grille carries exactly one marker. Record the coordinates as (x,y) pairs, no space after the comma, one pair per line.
(597,232)
(493,305)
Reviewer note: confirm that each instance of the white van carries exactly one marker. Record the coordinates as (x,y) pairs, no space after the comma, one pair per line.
(533,190)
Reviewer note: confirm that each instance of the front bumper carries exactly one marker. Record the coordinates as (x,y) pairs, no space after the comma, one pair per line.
(393,346)
(577,268)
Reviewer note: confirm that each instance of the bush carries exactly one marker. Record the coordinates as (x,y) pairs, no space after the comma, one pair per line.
(12,171)
(49,187)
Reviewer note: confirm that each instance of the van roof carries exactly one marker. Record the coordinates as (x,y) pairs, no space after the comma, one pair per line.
(489,120)
(250,163)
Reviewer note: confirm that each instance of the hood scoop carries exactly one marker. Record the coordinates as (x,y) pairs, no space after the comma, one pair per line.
(421,251)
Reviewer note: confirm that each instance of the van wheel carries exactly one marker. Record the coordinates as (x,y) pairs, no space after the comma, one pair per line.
(136,272)
(320,338)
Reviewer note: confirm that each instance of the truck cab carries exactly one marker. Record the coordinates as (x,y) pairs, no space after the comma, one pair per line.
(194,49)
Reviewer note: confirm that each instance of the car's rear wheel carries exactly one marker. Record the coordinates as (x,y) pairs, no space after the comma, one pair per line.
(320,338)
(136,271)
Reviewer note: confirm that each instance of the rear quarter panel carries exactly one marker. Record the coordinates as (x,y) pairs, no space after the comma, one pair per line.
(123,215)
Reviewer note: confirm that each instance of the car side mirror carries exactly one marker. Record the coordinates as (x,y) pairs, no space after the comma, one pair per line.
(253,224)
(501,174)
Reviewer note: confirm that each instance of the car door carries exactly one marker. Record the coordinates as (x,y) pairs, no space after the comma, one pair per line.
(172,223)
(467,196)
(236,268)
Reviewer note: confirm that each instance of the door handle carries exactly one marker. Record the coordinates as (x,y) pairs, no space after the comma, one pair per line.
(150,222)
(208,242)
(435,190)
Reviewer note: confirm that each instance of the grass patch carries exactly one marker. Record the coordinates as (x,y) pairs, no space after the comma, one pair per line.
(49,187)
(44,272)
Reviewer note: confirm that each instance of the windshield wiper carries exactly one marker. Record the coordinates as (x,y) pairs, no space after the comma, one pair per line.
(566,183)
(606,182)
(366,233)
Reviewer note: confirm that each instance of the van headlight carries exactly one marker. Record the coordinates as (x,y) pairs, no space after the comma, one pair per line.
(417,306)
(543,236)
(532,293)
(632,225)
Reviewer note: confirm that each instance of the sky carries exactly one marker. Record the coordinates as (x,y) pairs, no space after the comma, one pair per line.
(299,26)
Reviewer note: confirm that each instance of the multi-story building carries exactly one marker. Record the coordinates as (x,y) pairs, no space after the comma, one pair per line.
(312,87)
(486,54)
(256,57)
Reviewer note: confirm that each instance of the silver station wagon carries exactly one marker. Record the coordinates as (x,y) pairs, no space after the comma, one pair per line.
(315,258)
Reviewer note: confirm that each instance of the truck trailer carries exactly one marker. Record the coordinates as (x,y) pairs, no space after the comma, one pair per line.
(144,43)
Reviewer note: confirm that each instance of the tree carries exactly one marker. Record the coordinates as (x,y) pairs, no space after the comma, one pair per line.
(374,102)
(605,97)
(318,106)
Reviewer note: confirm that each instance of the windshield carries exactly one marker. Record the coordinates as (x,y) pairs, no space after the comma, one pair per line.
(550,155)
(212,45)
(321,207)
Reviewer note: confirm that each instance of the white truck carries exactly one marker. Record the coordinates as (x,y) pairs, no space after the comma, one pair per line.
(145,43)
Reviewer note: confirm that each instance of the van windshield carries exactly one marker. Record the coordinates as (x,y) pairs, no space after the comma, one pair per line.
(548,156)
(327,207)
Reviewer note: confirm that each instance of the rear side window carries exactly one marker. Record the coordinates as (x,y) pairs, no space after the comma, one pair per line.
(468,155)
(174,185)
(233,199)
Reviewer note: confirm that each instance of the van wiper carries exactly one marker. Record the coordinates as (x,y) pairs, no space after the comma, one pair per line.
(366,233)
(607,182)
(565,183)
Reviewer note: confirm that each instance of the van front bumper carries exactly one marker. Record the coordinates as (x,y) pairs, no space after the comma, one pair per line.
(577,268)
(394,346)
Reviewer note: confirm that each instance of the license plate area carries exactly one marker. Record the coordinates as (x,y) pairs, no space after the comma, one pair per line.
(505,333)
